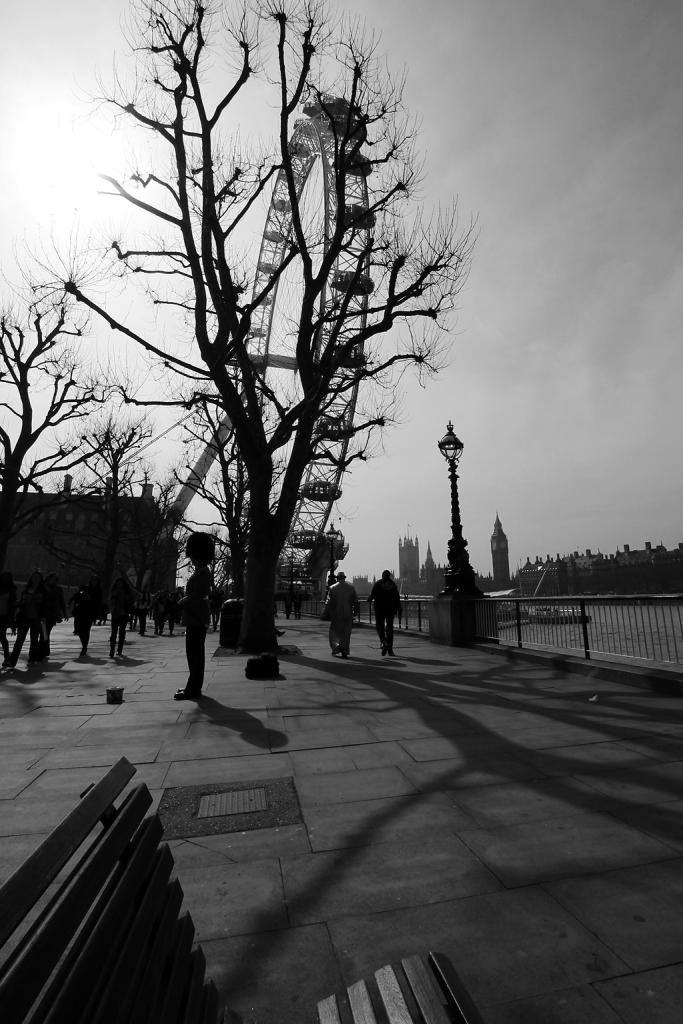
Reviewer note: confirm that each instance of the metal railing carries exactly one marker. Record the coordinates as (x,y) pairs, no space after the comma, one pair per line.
(414,612)
(637,627)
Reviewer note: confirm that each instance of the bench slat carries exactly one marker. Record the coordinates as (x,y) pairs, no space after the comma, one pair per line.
(126,973)
(328,1011)
(98,946)
(179,972)
(452,983)
(25,887)
(33,960)
(425,989)
(157,957)
(193,1001)
(392,997)
(360,1003)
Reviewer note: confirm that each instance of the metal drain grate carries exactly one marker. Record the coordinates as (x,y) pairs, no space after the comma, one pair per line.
(215,808)
(236,801)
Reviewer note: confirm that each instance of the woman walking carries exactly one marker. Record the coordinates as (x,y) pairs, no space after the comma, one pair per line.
(196,612)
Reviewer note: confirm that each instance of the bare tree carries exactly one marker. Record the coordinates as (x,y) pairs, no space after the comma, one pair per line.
(375,279)
(225,489)
(153,544)
(44,393)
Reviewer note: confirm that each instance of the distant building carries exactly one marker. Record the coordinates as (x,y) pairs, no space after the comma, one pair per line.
(68,533)
(500,557)
(408,565)
(362,585)
(428,579)
(650,570)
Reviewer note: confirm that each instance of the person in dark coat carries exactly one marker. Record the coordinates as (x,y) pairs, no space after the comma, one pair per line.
(387,601)
(85,609)
(8,607)
(120,602)
(30,620)
(196,612)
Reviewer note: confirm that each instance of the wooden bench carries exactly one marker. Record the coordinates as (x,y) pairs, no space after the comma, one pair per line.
(422,989)
(91,931)
(90,924)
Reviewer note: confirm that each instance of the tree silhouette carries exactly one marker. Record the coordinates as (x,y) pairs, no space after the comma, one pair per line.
(376,281)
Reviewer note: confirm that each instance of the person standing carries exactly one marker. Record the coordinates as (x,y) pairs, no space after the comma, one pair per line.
(30,620)
(342,603)
(387,601)
(54,608)
(8,607)
(196,612)
(120,601)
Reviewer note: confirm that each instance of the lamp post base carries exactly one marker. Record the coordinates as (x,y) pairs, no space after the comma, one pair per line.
(451,619)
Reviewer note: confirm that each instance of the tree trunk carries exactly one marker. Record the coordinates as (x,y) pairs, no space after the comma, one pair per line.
(257,633)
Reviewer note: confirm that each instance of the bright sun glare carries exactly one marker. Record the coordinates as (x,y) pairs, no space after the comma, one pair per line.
(58,151)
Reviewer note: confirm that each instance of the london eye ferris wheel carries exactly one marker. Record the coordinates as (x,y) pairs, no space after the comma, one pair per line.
(314,162)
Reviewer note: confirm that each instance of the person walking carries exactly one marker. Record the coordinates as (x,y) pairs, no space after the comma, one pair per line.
(85,609)
(54,608)
(196,612)
(173,609)
(8,607)
(30,620)
(387,601)
(143,607)
(159,611)
(120,601)
(342,603)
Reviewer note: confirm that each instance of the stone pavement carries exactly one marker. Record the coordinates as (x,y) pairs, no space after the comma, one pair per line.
(523,820)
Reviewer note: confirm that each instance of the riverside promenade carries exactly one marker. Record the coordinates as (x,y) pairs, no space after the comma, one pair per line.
(525,820)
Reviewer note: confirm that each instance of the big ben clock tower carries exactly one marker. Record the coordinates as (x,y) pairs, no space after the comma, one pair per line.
(499,555)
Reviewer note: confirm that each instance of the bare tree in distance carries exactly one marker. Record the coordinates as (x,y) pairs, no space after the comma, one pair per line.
(376,282)
(45,395)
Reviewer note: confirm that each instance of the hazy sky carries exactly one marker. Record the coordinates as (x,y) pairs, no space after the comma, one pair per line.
(558,124)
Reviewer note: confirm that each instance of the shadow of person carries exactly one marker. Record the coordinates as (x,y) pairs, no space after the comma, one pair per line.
(250,728)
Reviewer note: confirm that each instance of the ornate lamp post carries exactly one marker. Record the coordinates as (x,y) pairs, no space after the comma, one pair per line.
(459,579)
(334,537)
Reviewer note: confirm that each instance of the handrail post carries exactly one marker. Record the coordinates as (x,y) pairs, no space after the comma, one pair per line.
(584,628)
(419,616)
(518,617)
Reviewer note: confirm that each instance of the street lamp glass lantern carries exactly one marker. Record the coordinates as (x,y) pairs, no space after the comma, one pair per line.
(450,446)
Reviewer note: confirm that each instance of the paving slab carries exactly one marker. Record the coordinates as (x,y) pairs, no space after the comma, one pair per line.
(368,822)
(571,1006)
(234,898)
(381,877)
(275,977)
(637,911)
(559,847)
(655,997)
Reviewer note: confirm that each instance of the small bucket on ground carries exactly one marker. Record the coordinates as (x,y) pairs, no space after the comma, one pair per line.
(114,695)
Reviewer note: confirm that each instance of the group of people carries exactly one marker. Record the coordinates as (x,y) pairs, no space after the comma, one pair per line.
(35,611)
(341,606)
(32,614)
